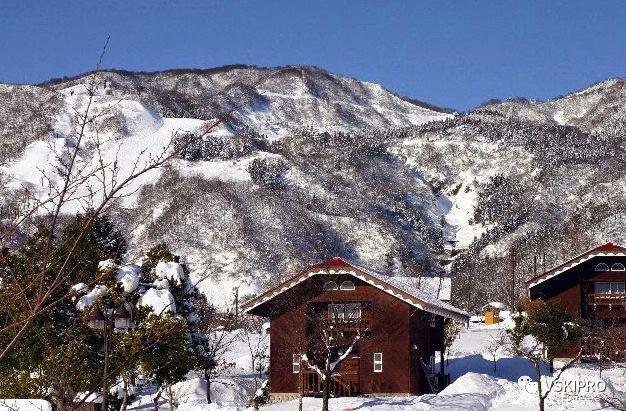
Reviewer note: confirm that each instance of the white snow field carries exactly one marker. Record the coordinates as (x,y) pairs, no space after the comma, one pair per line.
(24,405)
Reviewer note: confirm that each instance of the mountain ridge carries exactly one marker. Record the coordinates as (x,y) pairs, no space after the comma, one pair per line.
(319,165)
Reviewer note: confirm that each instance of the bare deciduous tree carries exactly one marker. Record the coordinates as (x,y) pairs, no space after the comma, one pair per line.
(87,177)
(334,334)
(253,335)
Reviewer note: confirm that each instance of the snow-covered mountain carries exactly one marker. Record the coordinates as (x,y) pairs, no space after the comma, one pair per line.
(273,101)
(591,109)
(313,164)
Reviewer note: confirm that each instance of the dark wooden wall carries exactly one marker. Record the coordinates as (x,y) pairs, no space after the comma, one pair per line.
(395,327)
(571,289)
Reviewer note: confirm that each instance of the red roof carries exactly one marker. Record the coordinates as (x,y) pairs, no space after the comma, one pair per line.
(604,249)
(391,285)
(333,262)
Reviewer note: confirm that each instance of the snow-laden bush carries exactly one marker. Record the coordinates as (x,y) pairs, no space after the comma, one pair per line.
(261,396)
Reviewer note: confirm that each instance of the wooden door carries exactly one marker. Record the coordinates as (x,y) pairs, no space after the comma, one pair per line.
(350,376)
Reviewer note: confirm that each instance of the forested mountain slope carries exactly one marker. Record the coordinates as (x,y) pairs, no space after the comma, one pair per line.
(312,165)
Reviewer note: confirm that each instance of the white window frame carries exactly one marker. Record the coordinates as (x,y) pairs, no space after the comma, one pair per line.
(613,287)
(618,267)
(295,363)
(602,267)
(330,286)
(345,311)
(347,286)
(378,363)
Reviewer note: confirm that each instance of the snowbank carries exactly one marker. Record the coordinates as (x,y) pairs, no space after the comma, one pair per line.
(227,394)
(469,402)
(24,405)
(474,383)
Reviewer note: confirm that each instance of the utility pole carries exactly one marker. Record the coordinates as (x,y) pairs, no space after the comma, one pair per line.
(107,346)
(513,267)
(236,293)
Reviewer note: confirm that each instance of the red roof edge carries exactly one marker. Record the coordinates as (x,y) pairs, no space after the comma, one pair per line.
(333,262)
(608,247)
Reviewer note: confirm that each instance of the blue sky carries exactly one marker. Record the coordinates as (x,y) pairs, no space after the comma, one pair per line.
(456,54)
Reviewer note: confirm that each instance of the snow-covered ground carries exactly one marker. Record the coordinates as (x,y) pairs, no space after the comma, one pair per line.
(475,384)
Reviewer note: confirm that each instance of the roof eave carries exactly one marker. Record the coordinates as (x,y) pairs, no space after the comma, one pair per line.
(351,270)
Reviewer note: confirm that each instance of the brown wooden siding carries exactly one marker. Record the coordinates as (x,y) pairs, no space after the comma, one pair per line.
(571,289)
(394,327)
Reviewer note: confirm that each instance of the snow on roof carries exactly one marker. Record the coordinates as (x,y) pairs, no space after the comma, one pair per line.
(495,304)
(424,296)
(608,249)
(391,285)
(161,301)
(437,286)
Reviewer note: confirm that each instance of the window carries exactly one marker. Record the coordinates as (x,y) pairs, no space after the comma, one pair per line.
(618,267)
(295,363)
(608,287)
(330,285)
(602,267)
(335,312)
(344,312)
(347,285)
(353,311)
(378,362)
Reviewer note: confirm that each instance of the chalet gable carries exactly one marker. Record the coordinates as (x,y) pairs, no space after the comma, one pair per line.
(605,250)
(390,285)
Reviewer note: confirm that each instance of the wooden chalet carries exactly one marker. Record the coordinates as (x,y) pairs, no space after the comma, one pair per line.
(589,287)
(385,331)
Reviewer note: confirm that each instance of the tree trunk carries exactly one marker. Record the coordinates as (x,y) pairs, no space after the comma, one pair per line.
(105,380)
(125,396)
(156,399)
(170,396)
(207,377)
(539,390)
(326,393)
(254,373)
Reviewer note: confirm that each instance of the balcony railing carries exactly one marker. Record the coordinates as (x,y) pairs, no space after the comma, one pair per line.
(613,299)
